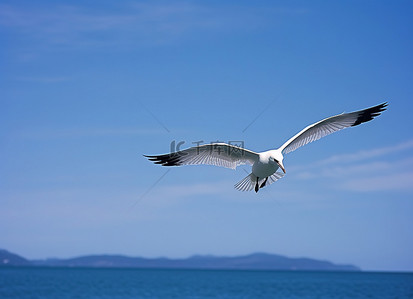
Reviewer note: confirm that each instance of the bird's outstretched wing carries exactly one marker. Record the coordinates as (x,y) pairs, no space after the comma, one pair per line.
(218,154)
(330,125)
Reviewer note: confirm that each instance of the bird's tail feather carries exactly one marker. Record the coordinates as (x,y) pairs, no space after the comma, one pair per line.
(274,177)
(248,183)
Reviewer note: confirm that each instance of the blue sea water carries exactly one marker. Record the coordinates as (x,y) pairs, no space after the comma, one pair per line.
(151,283)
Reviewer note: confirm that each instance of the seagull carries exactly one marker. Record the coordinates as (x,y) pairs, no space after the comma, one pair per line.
(264,164)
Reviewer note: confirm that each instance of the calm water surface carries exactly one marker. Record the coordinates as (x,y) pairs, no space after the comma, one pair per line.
(148,283)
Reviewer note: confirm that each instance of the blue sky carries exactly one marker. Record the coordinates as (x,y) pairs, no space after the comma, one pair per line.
(86,89)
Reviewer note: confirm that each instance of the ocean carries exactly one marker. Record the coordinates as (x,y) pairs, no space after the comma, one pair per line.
(34,282)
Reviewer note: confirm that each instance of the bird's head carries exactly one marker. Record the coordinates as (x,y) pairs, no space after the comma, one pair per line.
(277,158)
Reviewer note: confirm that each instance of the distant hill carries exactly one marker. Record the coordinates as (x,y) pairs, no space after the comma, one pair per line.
(256,261)
(11,259)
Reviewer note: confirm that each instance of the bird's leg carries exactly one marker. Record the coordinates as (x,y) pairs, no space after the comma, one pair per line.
(256,185)
(263,184)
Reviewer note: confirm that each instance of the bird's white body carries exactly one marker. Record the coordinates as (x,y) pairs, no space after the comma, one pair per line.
(265,164)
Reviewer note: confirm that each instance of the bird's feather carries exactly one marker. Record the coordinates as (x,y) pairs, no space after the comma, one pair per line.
(218,154)
(248,183)
(330,125)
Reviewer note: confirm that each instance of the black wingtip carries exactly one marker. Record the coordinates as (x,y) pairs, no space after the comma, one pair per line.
(370,113)
(383,106)
(165,160)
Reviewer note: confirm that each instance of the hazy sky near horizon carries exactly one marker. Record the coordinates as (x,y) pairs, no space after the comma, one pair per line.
(86,89)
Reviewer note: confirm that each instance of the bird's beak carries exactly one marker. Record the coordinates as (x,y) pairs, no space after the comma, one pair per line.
(281,166)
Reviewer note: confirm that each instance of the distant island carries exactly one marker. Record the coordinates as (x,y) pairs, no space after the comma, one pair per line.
(255,261)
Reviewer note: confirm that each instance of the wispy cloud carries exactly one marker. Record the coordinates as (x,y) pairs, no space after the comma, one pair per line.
(131,25)
(389,181)
(179,191)
(45,80)
(46,133)
(71,26)
(368,154)
(379,169)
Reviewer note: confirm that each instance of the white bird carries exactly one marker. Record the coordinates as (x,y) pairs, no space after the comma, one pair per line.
(264,164)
